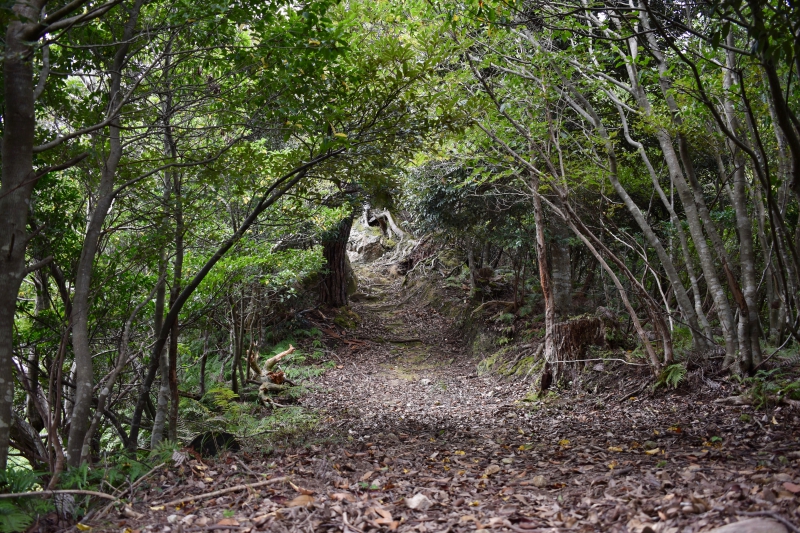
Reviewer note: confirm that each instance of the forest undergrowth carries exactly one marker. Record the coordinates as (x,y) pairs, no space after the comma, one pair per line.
(411,436)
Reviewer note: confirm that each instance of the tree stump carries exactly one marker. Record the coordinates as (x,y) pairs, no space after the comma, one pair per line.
(572,338)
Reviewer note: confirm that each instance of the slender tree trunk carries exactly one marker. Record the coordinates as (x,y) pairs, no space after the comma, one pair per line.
(175,290)
(744,226)
(235,345)
(560,268)
(84,371)
(544,274)
(687,197)
(160,363)
(333,289)
(203,360)
(471,266)
(692,313)
(108,385)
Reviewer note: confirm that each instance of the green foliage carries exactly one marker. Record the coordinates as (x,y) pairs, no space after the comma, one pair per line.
(671,376)
(768,387)
(13,518)
(223,399)
(681,339)
(16,514)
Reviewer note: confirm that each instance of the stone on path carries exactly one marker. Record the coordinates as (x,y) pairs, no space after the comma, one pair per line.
(419,502)
(752,525)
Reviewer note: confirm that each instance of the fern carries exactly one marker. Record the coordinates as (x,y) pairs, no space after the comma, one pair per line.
(790,362)
(13,518)
(672,375)
(221,398)
(18,513)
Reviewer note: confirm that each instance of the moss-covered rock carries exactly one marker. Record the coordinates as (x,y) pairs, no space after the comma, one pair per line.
(347,318)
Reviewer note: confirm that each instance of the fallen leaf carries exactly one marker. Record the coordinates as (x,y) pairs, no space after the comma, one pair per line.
(301,490)
(366,476)
(460,452)
(614,449)
(83,527)
(385,519)
(791,487)
(260,520)
(653,451)
(157,508)
(563,443)
(339,496)
(227,522)
(304,500)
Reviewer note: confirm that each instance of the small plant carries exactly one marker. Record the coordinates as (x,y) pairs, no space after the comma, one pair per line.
(769,387)
(221,398)
(672,376)
(16,514)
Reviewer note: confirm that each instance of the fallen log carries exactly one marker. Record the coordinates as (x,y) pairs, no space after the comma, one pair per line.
(272,361)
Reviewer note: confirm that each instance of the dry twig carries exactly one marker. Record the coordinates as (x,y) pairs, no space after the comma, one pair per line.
(235,488)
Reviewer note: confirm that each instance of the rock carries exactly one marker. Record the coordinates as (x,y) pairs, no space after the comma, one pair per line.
(366,242)
(491,470)
(538,481)
(391,437)
(211,443)
(171,519)
(419,502)
(752,525)
(650,445)
(424,382)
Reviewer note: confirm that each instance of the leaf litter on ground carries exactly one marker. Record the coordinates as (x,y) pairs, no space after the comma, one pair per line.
(413,439)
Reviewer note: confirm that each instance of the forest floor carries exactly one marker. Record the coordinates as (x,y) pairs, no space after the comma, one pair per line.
(413,439)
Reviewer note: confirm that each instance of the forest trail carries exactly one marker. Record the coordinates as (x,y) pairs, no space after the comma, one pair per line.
(413,439)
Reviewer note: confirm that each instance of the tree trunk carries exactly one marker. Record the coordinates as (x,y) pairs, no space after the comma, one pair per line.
(560,269)
(84,371)
(203,360)
(333,289)
(175,289)
(235,344)
(160,363)
(544,277)
(15,190)
(744,225)
(686,195)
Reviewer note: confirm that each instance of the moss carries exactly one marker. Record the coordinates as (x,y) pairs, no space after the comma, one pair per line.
(450,258)
(347,318)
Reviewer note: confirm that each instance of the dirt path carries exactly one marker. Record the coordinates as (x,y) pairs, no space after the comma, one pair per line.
(414,440)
